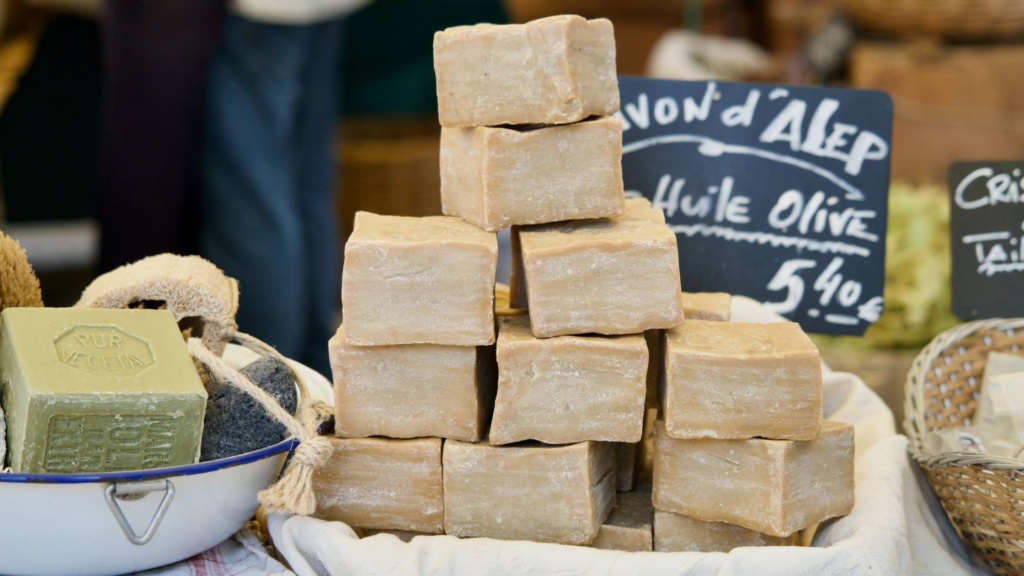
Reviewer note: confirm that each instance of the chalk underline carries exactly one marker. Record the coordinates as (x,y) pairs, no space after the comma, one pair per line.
(990,269)
(776,240)
(712,147)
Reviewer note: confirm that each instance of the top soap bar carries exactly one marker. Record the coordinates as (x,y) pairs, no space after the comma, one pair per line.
(553,70)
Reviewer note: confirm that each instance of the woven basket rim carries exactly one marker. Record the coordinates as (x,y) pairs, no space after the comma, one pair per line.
(914,403)
(967,19)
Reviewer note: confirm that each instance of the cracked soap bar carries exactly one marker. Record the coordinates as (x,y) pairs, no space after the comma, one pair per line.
(615,275)
(569,388)
(772,486)
(677,533)
(96,390)
(383,484)
(426,280)
(411,390)
(552,70)
(559,494)
(741,380)
(629,525)
(495,177)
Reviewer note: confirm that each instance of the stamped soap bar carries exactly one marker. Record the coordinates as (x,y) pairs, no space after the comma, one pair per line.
(97,390)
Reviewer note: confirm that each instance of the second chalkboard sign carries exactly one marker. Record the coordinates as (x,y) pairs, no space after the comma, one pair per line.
(986,223)
(776,193)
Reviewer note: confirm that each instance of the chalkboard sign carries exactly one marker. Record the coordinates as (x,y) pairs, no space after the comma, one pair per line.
(777,193)
(986,228)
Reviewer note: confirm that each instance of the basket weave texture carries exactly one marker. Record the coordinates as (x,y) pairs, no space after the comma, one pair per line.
(960,19)
(982,494)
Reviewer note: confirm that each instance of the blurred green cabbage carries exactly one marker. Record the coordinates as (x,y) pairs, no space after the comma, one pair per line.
(918,302)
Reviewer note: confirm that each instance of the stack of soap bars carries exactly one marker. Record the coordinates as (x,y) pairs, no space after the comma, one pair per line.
(524,423)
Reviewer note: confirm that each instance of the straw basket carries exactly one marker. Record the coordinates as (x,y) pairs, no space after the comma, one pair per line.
(961,19)
(982,494)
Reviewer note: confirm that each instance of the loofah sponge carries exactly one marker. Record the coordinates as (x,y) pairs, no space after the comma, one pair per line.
(203,299)
(19,286)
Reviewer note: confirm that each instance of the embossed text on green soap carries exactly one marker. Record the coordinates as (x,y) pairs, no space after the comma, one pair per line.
(98,390)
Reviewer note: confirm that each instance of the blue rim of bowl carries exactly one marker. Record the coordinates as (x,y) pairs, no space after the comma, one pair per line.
(133,475)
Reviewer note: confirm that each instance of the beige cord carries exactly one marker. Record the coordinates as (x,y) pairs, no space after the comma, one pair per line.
(293,492)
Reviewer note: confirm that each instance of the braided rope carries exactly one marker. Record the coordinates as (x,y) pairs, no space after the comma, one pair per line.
(293,492)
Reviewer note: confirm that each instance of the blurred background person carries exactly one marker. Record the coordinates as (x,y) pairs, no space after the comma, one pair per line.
(268,208)
(156,57)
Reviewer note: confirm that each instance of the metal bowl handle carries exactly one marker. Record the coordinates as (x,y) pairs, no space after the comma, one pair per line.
(132,491)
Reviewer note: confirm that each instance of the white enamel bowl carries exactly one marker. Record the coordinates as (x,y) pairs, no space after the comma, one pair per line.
(71,524)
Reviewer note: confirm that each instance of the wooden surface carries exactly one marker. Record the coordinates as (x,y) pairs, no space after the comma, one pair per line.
(951,102)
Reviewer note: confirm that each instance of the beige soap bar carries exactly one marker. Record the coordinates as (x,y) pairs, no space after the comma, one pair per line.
(707,305)
(383,484)
(569,388)
(634,209)
(412,390)
(741,380)
(553,70)
(677,533)
(628,527)
(559,494)
(609,276)
(771,486)
(427,280)
(495,177)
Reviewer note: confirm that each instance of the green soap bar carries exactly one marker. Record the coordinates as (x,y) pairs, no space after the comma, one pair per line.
(98,390)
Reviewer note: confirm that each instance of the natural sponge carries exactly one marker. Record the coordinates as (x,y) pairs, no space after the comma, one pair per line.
(203,299)
(235,421)
(19,286)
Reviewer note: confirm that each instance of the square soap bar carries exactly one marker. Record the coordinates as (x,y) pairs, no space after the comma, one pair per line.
(772,486)
(741,380)
(629,525)
(569,388)
(609,276)
(411,390)
(427,280)
(98,390)
(559,494)
(495,177)
(677,533)
(553,70)
(383,484)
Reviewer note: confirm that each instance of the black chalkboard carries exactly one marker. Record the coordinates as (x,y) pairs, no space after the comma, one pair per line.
(986,226)
(777,193)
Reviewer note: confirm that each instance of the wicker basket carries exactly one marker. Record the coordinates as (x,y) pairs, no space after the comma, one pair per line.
(982,494)
(959,19)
